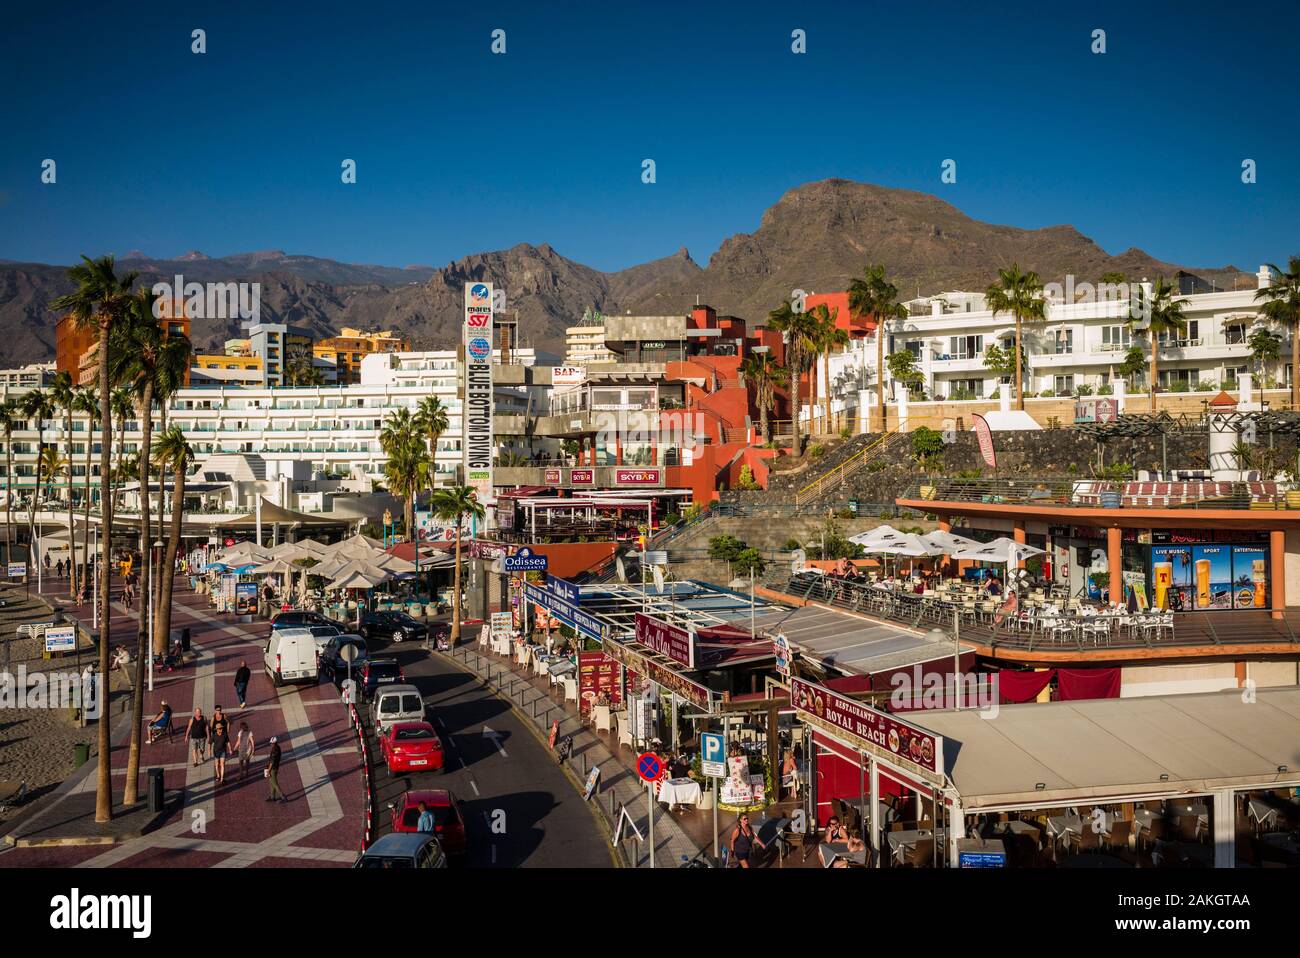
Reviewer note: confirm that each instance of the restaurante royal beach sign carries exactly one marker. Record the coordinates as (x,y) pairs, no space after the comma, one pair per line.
(476,445)
(869,729)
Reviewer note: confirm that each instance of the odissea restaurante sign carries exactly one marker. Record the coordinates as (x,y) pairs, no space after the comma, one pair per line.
(863,725)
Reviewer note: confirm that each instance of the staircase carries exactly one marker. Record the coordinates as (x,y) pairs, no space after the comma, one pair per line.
(837,476)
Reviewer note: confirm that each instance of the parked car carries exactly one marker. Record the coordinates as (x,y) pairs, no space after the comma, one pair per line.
(323,633)
(393,704)
(334,666)
(448,822)
(376,673)
(411,747)
(392,627)
(403,850)
(291,656)
(301,618)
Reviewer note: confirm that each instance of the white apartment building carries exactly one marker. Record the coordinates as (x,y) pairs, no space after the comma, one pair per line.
(307,432)
(1079,348)
(585,346)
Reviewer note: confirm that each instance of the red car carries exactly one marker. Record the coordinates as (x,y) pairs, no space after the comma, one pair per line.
(448,822)
(411,747)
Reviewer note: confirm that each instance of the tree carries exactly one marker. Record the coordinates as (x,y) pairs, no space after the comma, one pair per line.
(301,371)
(763,374)
(100,300)
(1265,347)
(902,368)
(800,333)
(36,405)
(828,338)
(725,548)
(454,504)
(408,463)
(171,451)
(1135,363)
(127,466)
(63,395)
(1021,295)
(53,466)
(431,416)
(1282,306)
(1164,315)
(1002,362)
(10,417)
(749,560)
(927,446)
(88,405)
(873,295)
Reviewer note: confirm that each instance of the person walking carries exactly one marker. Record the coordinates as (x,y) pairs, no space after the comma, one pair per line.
(244,748)
(242,675)
(197,733)
(425,822)
(273,772)
(743,841)
(219,736)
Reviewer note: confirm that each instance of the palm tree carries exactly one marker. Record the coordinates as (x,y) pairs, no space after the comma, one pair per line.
(800,332)
(432,417)
(764,373)
(408,461)
(52,465)
(829,339)
(873,295)
(1164,315)
(101,300)
(88,404)
(123,409)
(64,395)
(10,417)
(454,504)
(173,451)
(1282,306)
(1021,295)
(143,358)
(36,405)
(301,371)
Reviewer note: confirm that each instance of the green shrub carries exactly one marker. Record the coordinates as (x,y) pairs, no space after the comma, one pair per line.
(1047,393)
(746,480)
(817,451)
(1083,390)
(791,545)
(1182,386)
(1106,390)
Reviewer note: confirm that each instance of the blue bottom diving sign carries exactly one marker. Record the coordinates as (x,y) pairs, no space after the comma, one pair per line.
(525,561)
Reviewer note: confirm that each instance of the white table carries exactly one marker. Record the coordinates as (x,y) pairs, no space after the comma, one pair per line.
(1062,825)
(901,842)
(679,791)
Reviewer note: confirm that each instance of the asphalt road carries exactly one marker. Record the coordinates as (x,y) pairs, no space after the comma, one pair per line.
(521,810)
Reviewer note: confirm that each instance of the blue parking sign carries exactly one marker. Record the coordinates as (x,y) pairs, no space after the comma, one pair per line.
(713,754)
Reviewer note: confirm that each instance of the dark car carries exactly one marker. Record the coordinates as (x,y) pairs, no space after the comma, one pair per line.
(302,619)
(392,627)
(332,664)
(374,673)
(404,850)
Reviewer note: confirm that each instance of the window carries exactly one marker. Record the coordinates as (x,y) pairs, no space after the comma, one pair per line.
(1232,375)
(1171,377)
(965,347)
(1063,385)
(1191,337)
(1116,337)
(1235,335)
(966,389)
(1063,341)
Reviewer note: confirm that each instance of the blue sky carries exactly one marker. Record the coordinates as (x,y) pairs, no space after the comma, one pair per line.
(460,151)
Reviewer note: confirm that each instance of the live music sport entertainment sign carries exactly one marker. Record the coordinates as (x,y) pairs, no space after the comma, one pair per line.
(861,725)
(476,423)
(670,640)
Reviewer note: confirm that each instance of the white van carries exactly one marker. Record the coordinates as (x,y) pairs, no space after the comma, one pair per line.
(393,704)
(291,656)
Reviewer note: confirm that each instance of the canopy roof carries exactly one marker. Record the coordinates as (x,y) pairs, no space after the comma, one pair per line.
(1116,748)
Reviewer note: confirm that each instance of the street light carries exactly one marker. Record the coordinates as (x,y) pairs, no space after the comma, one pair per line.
(153,606)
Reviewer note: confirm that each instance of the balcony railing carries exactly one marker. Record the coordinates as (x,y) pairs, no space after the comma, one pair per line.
(1107,494)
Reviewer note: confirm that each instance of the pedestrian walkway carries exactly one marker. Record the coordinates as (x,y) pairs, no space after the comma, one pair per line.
(231,825)
(619,785)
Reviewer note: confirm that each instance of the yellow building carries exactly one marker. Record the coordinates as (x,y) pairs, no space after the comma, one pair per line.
(345,351)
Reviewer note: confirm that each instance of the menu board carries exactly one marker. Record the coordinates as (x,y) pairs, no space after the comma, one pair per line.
(597,680)
(1250,577)
(872,729)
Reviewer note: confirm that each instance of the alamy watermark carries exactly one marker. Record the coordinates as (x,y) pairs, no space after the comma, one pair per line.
(935,691)
(51,690)
(209,300)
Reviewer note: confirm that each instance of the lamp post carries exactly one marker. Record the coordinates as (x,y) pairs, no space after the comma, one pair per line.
(154,555)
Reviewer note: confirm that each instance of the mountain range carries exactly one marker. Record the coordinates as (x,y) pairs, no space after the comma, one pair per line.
(816,238)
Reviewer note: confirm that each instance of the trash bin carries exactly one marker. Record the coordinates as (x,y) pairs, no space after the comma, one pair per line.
(155,789)
(80,754)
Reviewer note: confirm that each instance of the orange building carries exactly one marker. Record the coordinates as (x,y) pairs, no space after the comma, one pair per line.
(77,350)
(346,350)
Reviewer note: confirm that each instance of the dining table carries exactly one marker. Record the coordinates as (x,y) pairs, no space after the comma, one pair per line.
(679,791)
(1062,825)
(1284,841)
(827,853)
(904,841)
